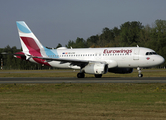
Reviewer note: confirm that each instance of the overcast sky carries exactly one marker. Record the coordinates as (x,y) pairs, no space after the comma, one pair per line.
(58,21)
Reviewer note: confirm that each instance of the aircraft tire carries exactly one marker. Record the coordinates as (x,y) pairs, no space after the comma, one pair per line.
(80,75)
(140,75)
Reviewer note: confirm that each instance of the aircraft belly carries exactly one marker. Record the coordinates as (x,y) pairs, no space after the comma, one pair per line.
(129,63)
(125,64)
(58,64)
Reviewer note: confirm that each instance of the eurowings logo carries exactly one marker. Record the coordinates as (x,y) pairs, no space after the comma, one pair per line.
(117,51)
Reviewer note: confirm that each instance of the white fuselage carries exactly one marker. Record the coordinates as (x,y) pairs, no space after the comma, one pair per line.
(122,57)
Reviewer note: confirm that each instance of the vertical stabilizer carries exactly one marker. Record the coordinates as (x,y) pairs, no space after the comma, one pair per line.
(30,44)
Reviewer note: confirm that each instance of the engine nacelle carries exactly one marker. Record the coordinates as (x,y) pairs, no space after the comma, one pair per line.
(120,70)
(96,68)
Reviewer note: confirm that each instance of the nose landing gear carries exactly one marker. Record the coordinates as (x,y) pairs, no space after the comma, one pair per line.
(139,72)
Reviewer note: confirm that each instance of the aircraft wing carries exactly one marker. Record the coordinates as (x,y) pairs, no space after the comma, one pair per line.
(78,62)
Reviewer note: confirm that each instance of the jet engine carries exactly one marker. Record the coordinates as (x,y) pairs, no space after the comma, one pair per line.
(120,70)
(96,68)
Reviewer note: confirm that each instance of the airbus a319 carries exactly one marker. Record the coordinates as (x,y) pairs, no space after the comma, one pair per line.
(97,61)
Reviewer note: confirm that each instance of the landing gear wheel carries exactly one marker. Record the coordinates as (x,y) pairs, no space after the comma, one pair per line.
(98,75)
(140,75)
(80,75)
(139,72)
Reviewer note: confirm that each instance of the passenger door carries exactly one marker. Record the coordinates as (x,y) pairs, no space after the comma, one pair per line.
(136,54)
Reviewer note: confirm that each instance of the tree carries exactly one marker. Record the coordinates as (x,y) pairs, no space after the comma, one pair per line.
(116,31)
(158,35)
(106,37)
(59,45)
(92,41)
(130,31)
(145,36)
(79,43)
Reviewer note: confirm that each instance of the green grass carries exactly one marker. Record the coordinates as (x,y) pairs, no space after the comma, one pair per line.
(108,101)
(71,73)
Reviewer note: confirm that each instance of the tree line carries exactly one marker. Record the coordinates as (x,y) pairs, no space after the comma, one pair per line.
(129,34)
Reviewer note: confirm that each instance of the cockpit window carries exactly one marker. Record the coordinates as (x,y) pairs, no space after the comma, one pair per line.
(151,53)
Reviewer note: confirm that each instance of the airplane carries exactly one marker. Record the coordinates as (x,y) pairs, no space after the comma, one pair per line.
(97,61)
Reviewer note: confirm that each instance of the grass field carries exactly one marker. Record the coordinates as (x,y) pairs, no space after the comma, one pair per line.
(106,101)
(88,101)
(71,73)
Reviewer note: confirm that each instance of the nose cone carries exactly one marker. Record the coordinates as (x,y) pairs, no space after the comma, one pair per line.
(160,60)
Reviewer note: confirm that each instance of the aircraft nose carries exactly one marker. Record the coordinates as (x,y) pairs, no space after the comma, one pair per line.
(160,60)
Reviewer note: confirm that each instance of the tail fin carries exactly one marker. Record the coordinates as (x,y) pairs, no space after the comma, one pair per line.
(30,44)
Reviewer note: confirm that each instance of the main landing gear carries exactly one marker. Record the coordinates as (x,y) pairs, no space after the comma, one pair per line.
(139,72)
(80,75)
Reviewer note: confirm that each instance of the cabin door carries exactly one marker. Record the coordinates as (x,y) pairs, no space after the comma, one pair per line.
(136,54)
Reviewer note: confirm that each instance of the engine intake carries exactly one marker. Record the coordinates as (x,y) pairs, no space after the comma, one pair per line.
(96,68)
